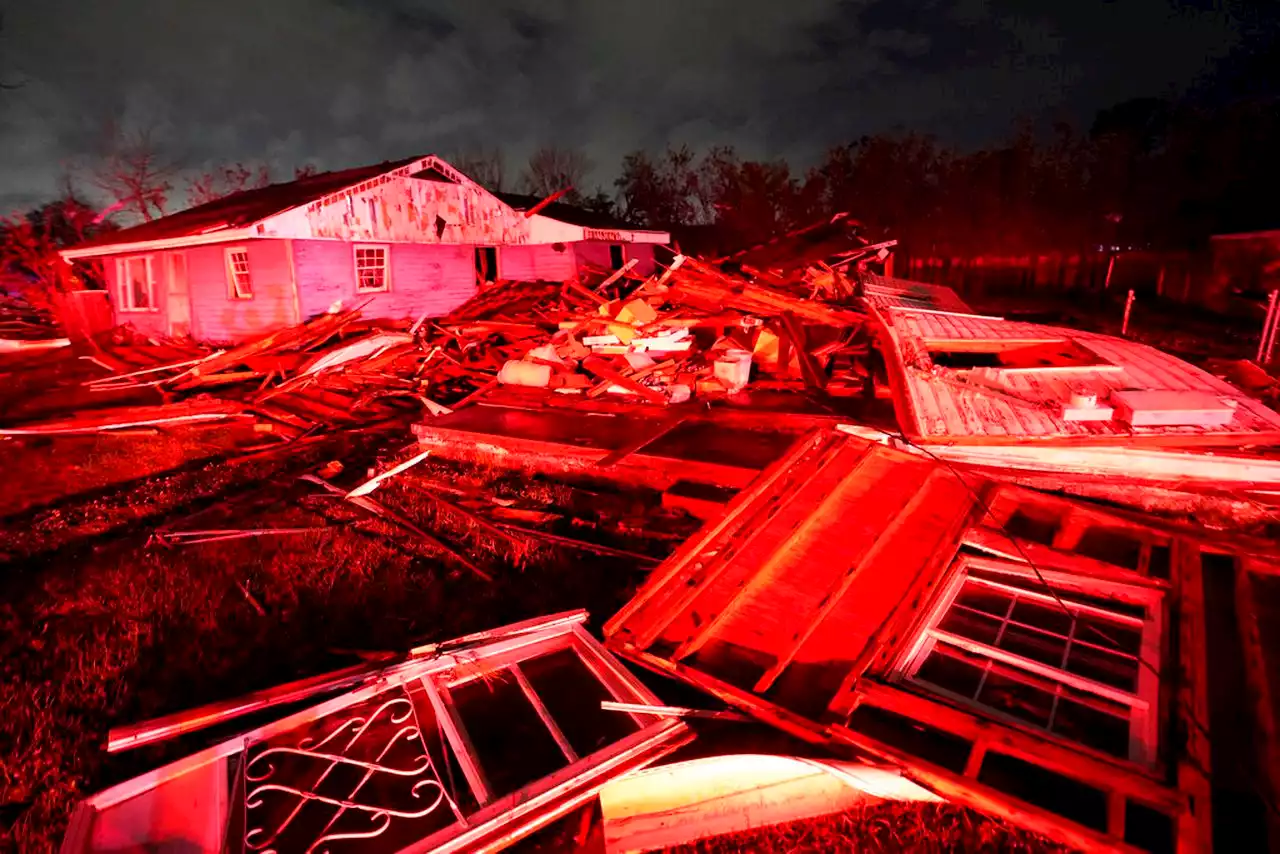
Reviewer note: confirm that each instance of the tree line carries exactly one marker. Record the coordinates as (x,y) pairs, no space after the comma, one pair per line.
(1147,173)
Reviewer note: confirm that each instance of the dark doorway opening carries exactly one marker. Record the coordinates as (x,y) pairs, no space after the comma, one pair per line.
(486,264)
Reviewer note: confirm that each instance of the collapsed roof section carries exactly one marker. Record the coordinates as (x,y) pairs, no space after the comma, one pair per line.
(989,391)
(1033,657)
(469,746)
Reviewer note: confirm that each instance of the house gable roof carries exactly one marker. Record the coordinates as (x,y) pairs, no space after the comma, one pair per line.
(242,209)
(286,209)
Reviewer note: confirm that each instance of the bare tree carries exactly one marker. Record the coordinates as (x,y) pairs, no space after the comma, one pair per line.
(306,170)
(133,173)
(29,245)
(220,183)
(552,169)
(486,167)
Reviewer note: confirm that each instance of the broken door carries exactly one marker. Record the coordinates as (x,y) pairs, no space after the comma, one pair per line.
(469,750)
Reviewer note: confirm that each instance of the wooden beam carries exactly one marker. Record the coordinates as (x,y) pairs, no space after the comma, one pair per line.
(813,375)
(369,505)
(600,368)
(1194,768)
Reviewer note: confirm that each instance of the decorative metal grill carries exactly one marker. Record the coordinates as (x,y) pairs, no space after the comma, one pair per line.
(351,781)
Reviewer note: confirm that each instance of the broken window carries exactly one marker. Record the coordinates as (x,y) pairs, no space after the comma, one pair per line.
(616,256)
(136,289)
(480,744)
(486,264)
(1078,665)
(238,274)
(371,269)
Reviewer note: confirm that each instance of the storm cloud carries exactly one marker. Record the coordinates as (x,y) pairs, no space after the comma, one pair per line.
(341,82)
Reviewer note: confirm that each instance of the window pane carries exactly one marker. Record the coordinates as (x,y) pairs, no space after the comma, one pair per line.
(371,268)
(1017,698)
(1090,725)
(1037,646)
(511,742)
(950,672)
(362,769)
(1108,635)
(971,624)
(1042,615)
(572,695)
(138,281)
(1104,667)
(985,599)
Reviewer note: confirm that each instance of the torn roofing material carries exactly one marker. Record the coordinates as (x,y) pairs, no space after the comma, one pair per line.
(987,391)
(1036,658)
(246,207)
(464,747)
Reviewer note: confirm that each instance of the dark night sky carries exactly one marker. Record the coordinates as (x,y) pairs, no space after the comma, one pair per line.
(341,82)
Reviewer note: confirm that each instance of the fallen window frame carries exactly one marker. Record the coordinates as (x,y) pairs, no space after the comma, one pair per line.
(493,822)
(1143,702)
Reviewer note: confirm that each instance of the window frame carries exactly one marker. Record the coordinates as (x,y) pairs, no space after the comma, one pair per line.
(1143,703)
(383,248)
(124,285)
(427,680)
(233,274)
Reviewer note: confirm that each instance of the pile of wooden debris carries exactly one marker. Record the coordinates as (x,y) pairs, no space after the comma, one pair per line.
(694,331)
(25,327)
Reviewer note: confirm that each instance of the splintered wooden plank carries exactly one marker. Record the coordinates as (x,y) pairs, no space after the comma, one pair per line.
(887,589)
(785,587)
(831,597)
(654,605)
(736,561)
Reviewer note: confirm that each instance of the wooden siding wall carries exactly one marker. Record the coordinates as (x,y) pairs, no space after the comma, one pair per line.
(433,279)
(596,253)
(398,208)
(644,252)
(537,261)
(215,316)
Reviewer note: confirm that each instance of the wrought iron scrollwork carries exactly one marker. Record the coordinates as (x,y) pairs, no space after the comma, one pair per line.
(265,780)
